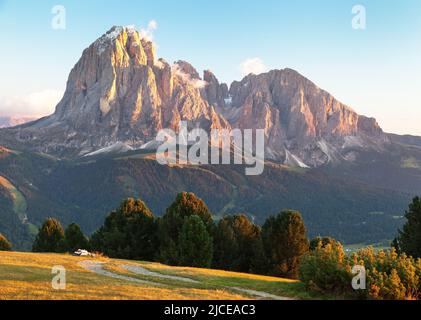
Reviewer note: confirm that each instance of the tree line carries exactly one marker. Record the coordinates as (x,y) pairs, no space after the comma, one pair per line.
(187,235)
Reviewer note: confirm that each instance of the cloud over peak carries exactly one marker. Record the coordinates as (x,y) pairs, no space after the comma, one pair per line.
(148,32)
(252,65)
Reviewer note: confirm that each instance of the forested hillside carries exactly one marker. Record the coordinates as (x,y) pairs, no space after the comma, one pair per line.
(85,190)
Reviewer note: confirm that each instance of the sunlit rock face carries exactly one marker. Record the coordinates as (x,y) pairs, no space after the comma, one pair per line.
(119,92)
(299,118)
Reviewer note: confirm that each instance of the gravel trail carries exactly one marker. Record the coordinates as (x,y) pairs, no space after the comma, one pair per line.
(98,268)
(146,272)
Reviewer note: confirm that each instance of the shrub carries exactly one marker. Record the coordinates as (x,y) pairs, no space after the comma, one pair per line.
(5,245)
(326,269)
(314,243)
(389,275)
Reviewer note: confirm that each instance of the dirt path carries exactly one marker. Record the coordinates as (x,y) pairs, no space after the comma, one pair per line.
(97,267)
(260,294)
(146,272)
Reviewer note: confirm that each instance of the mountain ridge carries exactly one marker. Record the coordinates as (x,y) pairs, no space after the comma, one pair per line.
(120,92)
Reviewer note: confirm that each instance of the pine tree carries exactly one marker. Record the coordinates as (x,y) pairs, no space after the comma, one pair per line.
(130,232)
(74,238)
(50,237)
(238,245)
(225,245)
(195,243)
(409,238)
(185,205)
(285,242)
(5,245)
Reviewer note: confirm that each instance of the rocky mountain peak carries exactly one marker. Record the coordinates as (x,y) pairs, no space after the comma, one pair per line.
(188,69)
(298,117)
(216,93)
(119,92)
(124,44)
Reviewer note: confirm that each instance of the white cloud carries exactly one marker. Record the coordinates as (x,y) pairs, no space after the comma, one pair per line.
(148,33)
(197,83)
(252,65)
(40,103)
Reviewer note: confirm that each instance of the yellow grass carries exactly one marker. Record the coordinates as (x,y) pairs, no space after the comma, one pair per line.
(28,276)
(188,271)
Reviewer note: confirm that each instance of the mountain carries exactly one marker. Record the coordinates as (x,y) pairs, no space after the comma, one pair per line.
(86,189)
(300,120)
(12,121)
(120,93)
(407,140)
(350,179)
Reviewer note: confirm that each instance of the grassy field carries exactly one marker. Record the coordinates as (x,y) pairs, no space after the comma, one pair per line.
(29,276)
(351,248)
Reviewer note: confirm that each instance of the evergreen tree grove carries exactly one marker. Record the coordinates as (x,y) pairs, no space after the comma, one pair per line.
(195,244)
(185,205)
(50,237)
(285,241)
(238,246)
(225,245)
(130,232)
(74,238)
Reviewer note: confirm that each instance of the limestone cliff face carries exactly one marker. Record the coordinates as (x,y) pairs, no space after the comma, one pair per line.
(216,93)
(299,118)
(120,93)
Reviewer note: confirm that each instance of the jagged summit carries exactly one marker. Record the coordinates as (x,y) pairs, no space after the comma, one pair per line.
(298,117)
(118,33)
(119,92)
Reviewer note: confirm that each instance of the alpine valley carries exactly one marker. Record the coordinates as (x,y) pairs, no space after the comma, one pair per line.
(349,179)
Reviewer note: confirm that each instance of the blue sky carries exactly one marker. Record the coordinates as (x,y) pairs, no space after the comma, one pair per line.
(377,71)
